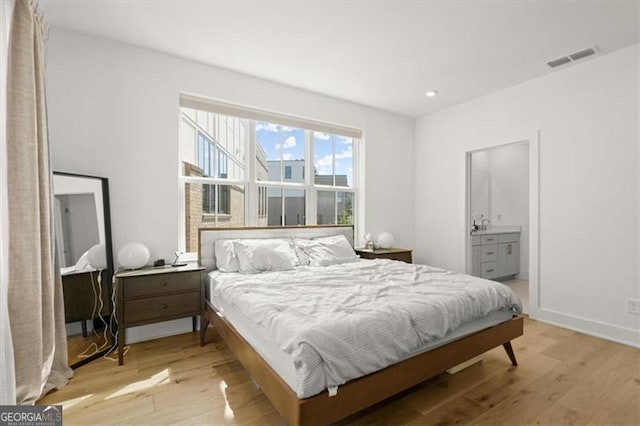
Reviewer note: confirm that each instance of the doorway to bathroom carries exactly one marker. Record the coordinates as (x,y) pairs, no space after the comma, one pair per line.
(502,203)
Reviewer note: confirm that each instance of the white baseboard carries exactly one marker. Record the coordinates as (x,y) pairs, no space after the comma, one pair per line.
(523,276)
(614,333)
(160,329)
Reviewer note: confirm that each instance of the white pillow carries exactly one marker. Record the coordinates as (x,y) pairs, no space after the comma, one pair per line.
(265,255)
(226,260)
(324,251)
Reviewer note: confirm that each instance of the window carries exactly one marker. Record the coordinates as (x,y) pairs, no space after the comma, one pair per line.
(212,159)
(244,167)
(216,199)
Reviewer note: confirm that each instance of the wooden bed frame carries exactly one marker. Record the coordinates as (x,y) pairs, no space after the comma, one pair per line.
(363,392)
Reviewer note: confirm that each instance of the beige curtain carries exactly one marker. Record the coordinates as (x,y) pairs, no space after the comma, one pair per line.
(36,307)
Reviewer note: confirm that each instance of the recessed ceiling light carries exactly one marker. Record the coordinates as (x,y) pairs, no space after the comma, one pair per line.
(431,93)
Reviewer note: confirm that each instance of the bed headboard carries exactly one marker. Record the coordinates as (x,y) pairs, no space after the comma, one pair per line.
(208,236)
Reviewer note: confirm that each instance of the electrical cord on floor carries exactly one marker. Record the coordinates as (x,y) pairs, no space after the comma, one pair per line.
(111,322)
(97,297)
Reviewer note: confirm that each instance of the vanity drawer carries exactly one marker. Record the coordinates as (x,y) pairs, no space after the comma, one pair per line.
(489,253)
(489,270)
(508,238)
(161,283)
(489,239)
(158,307)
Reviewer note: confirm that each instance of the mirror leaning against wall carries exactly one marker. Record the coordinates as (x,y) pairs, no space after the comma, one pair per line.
(85,256)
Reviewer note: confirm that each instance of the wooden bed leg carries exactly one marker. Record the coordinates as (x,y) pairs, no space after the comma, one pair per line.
(507,347)
(204,323)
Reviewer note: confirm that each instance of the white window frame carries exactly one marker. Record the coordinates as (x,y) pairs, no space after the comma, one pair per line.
(249,181)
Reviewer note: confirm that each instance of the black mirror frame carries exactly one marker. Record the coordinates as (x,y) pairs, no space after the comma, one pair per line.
(109,254)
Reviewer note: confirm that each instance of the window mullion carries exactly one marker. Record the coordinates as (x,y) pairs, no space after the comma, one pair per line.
(311,207)
(335,206)
(251,199)
(333,158)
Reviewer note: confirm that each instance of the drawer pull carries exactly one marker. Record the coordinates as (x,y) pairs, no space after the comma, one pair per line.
(163,284)
(164,306)
(490,239)
(489,270)
(489,252)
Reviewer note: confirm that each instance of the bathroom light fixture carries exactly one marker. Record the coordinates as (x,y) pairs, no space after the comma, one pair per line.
(431,93)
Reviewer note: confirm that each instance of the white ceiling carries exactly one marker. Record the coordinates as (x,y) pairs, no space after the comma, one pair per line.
(381,54)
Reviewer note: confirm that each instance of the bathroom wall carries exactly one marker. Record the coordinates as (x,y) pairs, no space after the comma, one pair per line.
(500,191)
(480,185)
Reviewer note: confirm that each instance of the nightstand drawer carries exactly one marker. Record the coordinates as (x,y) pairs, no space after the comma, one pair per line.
(165,283)
(158,307)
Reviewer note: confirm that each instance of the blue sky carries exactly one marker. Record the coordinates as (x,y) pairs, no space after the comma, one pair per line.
(292,146)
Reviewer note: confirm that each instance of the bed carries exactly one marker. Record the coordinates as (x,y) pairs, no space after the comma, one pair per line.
(291,334)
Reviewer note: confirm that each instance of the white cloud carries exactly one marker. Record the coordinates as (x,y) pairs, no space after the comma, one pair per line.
(269,127)
(325,164)
(321,136)
(287,156)
(347,153)
(290,142)
(344,140)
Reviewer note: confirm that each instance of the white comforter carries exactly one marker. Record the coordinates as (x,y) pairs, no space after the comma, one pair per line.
(344,321)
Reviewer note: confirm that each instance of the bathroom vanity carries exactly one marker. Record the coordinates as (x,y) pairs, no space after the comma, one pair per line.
(495,254)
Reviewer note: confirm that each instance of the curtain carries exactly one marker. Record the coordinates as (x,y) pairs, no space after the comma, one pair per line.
(36,307)
(7,376)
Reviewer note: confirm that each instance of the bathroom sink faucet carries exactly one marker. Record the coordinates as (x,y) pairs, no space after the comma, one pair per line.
(483,225)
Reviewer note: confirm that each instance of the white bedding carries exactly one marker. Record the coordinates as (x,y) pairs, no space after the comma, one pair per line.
(344,321)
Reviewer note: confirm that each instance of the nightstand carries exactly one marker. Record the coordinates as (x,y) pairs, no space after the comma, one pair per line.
(151,295)
(392,253)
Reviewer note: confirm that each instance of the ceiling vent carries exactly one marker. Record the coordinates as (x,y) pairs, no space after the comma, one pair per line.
(573,57)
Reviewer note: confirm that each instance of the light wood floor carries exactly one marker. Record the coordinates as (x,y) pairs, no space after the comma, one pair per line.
(563,378)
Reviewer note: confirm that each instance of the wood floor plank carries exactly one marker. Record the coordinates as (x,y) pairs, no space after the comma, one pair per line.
(529,401)
(504,384)
(563,377)
(387,413)
(598,388)
(624,408)
(449,386)
(457,411)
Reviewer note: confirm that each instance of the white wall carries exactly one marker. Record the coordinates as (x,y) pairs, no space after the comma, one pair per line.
(509,193)
(480,186)
(113,112)
(587,115)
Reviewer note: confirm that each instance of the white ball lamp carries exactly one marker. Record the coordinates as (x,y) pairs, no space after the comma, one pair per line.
(385,240)
(97,257)
(133,256)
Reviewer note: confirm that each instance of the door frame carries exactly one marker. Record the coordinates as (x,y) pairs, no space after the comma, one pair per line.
(533,139)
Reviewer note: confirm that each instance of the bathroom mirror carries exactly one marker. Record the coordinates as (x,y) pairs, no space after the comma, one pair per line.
(85,256)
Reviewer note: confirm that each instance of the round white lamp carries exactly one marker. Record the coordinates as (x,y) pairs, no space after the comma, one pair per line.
(97,257)
(385,240)
(133,256)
